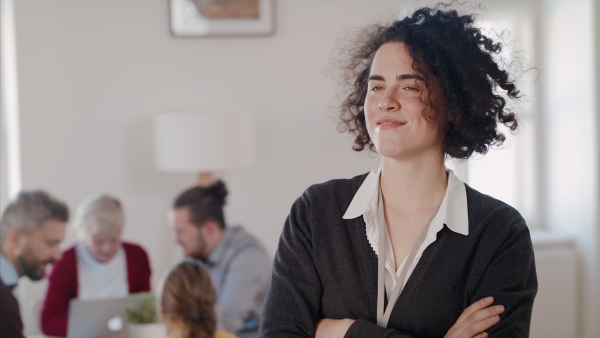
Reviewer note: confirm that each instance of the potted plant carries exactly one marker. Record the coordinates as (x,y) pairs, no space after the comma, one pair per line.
(141,314)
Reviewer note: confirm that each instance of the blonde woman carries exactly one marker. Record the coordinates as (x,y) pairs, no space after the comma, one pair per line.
(100,266)
(187,303)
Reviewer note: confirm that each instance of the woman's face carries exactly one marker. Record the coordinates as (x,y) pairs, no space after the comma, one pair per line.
(104,246)
(394,105)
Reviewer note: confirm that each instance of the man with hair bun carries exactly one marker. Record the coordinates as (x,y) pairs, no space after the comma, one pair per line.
(238,263)
(31,229)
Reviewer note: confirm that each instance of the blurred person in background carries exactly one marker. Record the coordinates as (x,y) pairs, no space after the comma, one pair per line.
(237,262)
(100,266)
(187,303)
(31,229)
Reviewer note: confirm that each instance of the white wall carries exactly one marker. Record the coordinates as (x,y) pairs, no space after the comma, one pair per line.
(93,73)
(570,118)
(595,301)
(597,118)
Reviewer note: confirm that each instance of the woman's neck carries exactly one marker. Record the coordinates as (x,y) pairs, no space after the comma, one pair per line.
(415,185)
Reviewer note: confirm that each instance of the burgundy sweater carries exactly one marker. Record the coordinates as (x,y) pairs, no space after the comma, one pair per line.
(63,286)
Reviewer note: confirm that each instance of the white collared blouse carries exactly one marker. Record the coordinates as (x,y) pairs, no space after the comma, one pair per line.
(452,212)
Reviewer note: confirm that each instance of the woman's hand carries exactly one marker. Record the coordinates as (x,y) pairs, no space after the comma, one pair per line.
(332,328)
(472,323)
(475,319)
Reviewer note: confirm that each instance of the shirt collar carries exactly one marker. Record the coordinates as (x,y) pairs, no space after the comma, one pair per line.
(455,200)
(453,210)
(365,199)
(8,273)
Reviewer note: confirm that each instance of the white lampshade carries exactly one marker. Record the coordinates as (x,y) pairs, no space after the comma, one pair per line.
(204,142)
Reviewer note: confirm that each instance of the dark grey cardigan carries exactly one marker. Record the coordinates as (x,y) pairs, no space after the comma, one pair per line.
(325,268)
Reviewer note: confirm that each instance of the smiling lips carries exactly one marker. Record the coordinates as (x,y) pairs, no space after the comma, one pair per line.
(389,123)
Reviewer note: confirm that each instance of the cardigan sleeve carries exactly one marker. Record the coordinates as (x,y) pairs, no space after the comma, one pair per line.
(363,328)
(510,277)
(138,268)
(62,287)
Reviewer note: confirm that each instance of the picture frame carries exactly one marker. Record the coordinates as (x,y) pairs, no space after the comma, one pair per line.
(221,18)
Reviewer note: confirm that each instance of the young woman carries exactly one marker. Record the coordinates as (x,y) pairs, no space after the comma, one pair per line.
(408,250)
(100,266)
(187,303)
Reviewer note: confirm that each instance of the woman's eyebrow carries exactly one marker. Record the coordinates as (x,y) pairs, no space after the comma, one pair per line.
(376,78)
(409,77)
(398,77)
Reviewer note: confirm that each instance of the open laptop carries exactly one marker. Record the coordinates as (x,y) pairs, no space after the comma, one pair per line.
(98,317)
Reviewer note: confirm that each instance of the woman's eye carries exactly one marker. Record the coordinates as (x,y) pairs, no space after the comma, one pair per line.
(411,89)
(376,88)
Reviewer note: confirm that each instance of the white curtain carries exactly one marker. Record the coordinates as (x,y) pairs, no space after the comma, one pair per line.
(10,166)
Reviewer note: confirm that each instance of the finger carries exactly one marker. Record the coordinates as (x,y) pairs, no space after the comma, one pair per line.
(482,335)
(478,305)
(481,320)
(480,326)
(485,313)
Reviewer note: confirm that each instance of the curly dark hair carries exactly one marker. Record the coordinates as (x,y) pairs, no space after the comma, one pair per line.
(447,46)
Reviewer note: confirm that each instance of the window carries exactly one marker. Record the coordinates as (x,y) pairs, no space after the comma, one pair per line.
(508,172)
(10,170)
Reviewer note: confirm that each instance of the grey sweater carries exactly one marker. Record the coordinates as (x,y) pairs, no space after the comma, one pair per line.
(325,268)
(240,268)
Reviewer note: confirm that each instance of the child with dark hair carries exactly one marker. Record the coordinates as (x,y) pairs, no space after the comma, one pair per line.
(188,301)
(408,250)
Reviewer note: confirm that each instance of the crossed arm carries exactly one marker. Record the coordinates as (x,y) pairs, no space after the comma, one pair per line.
(472,323)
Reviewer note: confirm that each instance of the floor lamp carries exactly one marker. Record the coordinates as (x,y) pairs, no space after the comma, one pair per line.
(204,142)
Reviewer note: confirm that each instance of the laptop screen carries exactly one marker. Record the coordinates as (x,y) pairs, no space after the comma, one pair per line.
(98,317)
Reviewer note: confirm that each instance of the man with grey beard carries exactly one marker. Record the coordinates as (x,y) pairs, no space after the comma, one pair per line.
(31,230)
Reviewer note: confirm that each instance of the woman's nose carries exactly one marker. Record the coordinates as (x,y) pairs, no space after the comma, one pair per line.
(389,102)
(105,248)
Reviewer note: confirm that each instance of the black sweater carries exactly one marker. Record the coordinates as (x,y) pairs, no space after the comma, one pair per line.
(325,268)
(10,317)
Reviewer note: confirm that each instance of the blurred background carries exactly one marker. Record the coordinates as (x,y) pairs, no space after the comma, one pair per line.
(82,82)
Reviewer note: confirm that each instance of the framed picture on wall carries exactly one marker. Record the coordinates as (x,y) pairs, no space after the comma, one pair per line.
(221,18)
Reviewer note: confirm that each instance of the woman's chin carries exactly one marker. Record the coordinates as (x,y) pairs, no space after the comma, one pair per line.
(391,151)
(104,259)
